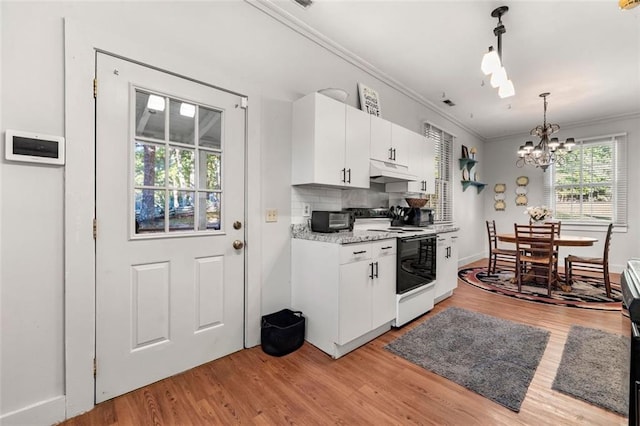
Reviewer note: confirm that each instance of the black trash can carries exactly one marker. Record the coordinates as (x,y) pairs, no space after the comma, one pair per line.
(282,332)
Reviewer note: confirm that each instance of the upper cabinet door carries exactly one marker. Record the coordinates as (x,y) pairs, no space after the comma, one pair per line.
(401,139)
(381,148)
(421,163)
(358,136)
(318,141)
(330,128)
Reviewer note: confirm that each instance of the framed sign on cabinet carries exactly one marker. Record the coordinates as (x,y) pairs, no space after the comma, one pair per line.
(369,100)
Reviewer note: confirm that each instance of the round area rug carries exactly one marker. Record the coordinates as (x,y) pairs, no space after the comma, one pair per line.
(582,294)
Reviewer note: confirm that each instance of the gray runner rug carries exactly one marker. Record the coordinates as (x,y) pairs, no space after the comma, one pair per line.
(493,357)
(595,368)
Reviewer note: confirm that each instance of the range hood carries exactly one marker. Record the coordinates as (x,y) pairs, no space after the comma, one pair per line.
(382,172)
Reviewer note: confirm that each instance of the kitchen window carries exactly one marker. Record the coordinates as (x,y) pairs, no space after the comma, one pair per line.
(442,201)
(590,186)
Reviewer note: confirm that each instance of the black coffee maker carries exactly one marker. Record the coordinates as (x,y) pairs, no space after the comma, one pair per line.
(418,217)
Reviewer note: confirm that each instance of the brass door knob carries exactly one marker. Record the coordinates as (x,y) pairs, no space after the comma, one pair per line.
(237,224)
(237,244)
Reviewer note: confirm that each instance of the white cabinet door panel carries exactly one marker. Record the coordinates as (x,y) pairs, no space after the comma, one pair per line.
(358,137)
(383,305)
(401,140)
(354,301)
(330,137)
(380,139)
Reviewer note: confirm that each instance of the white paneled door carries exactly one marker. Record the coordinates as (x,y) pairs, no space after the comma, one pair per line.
(170,225)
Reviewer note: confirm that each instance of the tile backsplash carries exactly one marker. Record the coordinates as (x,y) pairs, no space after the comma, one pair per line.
(334,199)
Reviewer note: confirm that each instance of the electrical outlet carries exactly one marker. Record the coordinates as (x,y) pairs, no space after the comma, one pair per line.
(306,210)
(272,215)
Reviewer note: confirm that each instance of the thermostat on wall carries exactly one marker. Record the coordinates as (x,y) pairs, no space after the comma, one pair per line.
(33,147)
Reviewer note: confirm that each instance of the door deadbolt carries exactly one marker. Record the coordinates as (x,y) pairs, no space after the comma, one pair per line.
(237,244)
(237,224)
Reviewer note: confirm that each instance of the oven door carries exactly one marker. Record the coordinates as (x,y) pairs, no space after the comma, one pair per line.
(416,262)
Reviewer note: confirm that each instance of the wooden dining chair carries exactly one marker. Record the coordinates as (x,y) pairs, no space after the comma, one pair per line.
(594,270)
(505,257)
(536,254)
(558,224)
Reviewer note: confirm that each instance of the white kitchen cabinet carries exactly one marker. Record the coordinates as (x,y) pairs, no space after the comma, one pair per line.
(389,142)
(357,142)
(330,143)
(383,307)
(346,292)
(421,164)
(446,265)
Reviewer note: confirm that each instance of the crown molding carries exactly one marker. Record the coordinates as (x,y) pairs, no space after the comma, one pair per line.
(576,124)
(295,24)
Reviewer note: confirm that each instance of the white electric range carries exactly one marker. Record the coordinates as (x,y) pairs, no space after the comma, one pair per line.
(415,262)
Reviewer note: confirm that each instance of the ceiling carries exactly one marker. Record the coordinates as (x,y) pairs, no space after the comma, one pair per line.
(586,53)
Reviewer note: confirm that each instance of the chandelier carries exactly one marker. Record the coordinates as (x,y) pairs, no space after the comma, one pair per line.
(547,151)
(492,60)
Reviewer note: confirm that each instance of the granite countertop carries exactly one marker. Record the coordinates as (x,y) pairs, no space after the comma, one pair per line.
(341,237)
(441,229)
(304,233)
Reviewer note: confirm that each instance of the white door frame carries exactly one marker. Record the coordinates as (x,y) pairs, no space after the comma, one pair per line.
(81,43)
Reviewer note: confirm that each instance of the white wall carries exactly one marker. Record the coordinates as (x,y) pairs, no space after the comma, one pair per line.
(500,168)
(44,212)
(32,347)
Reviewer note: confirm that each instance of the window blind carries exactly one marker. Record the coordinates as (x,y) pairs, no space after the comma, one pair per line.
(590,186)
(442,201)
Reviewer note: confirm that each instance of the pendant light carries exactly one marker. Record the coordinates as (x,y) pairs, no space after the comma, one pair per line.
(492,60)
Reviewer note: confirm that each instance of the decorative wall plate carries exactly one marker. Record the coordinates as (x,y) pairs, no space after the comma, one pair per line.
(500,187)
(499,196)
(522,180)
(521,190)
(465,174)
(521,200)
(500,205)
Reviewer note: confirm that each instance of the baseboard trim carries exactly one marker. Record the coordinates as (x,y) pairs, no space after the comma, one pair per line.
(462,261)
(46,412)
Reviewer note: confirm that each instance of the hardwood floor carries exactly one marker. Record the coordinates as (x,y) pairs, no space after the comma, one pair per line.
(368,386)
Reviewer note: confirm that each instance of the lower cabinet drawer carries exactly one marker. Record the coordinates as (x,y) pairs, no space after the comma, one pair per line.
(383,248)
(355,252)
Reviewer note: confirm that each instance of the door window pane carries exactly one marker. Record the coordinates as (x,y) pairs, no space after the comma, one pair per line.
(182,122)
(149,210)
(181,168)
(209,211)
(181,211)
(209,167)
(149,164)
(210,128)
(150,110)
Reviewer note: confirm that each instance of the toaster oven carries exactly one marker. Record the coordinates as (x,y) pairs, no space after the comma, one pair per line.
(332,221)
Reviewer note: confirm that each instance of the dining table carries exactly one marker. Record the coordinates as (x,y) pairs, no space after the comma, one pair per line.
(559,240)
